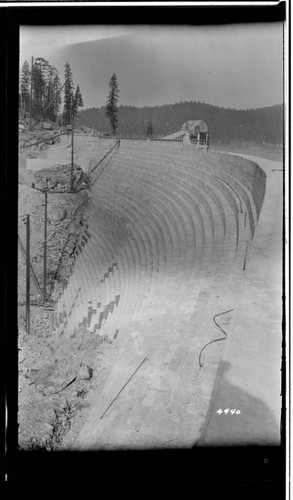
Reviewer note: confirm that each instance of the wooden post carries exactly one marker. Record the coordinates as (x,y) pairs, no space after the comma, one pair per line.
(72,144)
(31,267)
(45,251)
(27,274)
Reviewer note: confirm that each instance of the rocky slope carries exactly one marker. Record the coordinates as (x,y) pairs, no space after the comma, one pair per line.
(57,378)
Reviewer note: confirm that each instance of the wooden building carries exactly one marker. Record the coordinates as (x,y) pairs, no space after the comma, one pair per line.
(194,132)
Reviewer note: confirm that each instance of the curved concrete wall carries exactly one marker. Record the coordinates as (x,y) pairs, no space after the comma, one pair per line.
(158,216)
(249,373)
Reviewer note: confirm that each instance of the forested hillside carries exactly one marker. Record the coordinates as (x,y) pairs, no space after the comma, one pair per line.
(263,125)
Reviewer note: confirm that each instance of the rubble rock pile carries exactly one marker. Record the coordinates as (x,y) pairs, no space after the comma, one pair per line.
(59,178)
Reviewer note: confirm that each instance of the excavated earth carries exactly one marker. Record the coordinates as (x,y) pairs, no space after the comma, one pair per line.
(49,411)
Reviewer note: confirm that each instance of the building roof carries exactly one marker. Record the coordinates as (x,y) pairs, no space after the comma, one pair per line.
(175,135)
(195,126)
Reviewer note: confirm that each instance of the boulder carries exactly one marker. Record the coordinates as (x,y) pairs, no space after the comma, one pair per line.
(84,372)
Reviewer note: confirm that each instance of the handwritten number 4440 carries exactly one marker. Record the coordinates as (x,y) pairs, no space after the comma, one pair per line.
(237,412)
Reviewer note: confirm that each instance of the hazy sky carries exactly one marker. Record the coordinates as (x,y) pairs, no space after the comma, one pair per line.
(237,66)
(46,40)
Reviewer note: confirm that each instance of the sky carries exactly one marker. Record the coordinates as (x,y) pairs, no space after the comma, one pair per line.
(237,66)
(46,40)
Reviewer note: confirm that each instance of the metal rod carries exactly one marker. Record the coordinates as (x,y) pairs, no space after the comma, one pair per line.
(245,256)
(88,175)
(240,202)
(123,387)
(27,274)
(31,267)
(45,251)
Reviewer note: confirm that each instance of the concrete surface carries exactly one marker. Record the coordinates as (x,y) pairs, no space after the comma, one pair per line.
(249,377)
(171,265)
(171,402)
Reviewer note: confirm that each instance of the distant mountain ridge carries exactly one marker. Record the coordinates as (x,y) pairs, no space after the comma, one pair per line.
(262,125)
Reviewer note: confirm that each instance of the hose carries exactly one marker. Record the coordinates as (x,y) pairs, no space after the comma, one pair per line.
(215,340)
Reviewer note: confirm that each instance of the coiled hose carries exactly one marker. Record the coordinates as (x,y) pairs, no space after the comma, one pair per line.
(215,340)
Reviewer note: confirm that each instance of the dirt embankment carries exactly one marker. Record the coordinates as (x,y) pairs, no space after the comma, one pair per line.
(57,382)
(56,377)
(66,224)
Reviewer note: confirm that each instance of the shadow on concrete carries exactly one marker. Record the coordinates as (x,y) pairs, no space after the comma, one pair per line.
(254,426)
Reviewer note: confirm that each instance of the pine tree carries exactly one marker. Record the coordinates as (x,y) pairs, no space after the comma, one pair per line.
(56,92)
(78,97)
(77,101)
(111,107)
(68,95)
(150,129)
(46,86)
(25,81)
(49,93)
(35,75)
(40,83)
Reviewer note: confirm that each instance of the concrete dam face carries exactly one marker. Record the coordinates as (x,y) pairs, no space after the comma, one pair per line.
(159,217)
(165,252)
